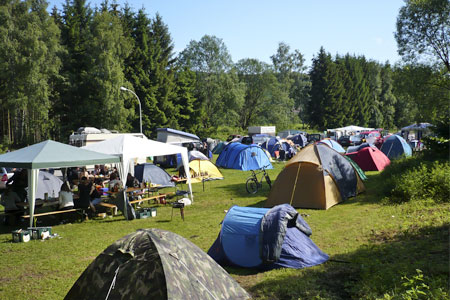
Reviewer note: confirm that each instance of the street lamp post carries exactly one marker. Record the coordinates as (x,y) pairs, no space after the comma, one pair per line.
(140,109)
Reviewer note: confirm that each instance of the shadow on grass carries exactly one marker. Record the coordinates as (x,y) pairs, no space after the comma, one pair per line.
(239,190)
(370,271)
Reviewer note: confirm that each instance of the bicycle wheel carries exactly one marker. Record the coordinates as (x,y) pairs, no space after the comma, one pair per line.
(269,182)
(251,185)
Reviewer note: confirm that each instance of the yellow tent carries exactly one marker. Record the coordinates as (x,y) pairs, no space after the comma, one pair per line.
(203,169)
(316,177)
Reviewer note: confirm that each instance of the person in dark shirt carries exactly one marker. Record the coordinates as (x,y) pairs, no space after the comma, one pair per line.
(85,189)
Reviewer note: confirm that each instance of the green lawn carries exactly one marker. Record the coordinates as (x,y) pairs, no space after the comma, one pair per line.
(371,246)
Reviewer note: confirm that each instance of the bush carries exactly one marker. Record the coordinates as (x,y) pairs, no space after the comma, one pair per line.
(416,180)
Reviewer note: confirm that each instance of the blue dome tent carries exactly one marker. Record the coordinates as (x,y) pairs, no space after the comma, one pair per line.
(333,144)
(243,157)
(299,139)
(395,146)
(266,238)
(152,173)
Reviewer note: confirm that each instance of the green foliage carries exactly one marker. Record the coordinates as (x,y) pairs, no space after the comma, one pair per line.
(422,94)
(417,180)
(423,28)
(29,64)
(346,91)
(414,288)
(220,94)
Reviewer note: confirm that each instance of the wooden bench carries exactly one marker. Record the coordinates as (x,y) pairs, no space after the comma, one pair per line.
(55,212)
(155,197)
(112,207)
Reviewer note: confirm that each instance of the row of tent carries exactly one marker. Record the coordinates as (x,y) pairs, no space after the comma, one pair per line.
(159,264)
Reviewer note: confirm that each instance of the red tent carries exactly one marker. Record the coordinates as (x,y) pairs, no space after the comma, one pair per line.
(370,159)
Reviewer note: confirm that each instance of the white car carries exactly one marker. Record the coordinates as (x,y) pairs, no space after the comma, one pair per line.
(5,174)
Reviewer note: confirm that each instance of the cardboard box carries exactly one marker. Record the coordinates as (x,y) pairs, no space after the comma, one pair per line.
(21,235)
(40,233)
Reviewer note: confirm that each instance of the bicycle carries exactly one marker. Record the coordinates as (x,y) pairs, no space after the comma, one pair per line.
(253,184)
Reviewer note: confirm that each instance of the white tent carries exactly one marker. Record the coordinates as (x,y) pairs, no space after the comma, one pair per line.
(130,147)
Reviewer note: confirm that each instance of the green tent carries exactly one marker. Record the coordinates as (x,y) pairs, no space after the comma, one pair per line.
(355,166)
(155,264)
(50,154)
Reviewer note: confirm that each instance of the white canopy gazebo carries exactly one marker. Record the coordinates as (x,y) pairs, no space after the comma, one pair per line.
(129,147)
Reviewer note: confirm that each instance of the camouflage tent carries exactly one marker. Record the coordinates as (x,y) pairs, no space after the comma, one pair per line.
(155,264)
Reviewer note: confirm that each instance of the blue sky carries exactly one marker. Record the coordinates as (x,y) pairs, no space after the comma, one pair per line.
(253,28)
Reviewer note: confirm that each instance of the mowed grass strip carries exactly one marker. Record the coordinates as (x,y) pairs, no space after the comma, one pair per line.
(371,246)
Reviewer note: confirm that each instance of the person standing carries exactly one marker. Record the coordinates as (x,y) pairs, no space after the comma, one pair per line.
(85,189)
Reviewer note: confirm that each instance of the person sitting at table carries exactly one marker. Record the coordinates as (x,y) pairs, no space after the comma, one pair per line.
(97,192)
(114,183)
(18,183)
(132,181)
(9,200)
(84,191)
(65,197)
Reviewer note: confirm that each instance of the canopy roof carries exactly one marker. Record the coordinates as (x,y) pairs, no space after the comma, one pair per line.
(351,128)
(130,147)
(418,126)
(51,154)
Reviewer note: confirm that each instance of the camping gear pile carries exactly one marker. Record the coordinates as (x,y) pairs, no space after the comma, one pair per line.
(264,238)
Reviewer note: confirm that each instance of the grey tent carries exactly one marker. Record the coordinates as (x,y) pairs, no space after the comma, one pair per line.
(155,264)
(154,174)
(50,154)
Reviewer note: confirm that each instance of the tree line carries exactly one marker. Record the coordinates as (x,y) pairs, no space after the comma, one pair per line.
(64,69)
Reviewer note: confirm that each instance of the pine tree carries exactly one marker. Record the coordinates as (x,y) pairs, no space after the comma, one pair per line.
(74,91)
(106,52)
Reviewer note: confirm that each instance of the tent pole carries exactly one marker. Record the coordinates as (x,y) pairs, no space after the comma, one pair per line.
(295,184)
(32,181)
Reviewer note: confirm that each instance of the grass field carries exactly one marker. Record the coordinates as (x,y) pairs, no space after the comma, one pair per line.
(374,249)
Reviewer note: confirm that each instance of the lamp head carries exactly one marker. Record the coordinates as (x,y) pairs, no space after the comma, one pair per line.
(123,88)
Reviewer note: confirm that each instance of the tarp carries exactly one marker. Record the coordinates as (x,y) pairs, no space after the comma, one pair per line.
(130,147)
(155,264)
(243,157)
(153,174)
(333,144)
(395,146)
(50,154)
(418,126)
(266,238)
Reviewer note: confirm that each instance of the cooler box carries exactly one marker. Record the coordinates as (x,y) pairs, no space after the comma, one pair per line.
(21,236)
(148,212)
